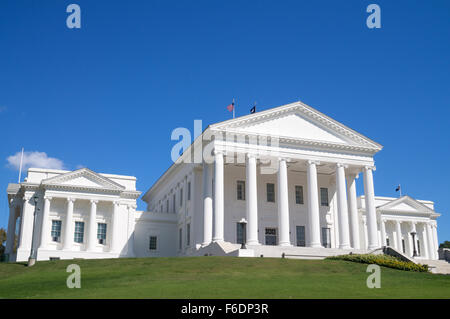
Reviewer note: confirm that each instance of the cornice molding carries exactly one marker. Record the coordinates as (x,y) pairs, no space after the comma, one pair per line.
(104,182)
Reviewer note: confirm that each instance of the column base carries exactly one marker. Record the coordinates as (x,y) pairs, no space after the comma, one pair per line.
(205,244)
(315,245)
(345,247)
(285,244)
(218,240)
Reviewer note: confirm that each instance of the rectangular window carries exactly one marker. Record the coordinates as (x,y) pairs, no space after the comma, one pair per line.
(403,246)
(153,243)
(180,239)
(326,237)
(101,233)
(56,230)
(189,191)
(240,188)
(79,232)
(323,196)
(167,206)
(301,236)
(240,233)
(270,192)
(271,236)
(188,234)
(299,195)
(181,197)
(387,241)
(174,203)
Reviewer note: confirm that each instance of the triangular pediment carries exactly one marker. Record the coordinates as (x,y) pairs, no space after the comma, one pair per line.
(298,122)
(83,178)
(294,125)
(405,204)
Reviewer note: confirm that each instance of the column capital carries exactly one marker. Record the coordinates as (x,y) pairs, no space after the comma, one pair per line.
(94,201)
(218,152)
(131,206)
(341,165)
(48,197)
(370,167)
(116,203)
(282,159)
(250,155)
(70,200)
(309,162)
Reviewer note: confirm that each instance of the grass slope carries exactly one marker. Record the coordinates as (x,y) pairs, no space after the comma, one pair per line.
(215,277)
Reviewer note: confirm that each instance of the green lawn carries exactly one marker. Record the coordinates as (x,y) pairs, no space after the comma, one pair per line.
(215,277)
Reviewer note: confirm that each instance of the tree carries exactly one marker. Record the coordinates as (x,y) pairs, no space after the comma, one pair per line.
(2,240)
(445,244)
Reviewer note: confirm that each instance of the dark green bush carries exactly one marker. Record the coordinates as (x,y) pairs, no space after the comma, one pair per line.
(382,260)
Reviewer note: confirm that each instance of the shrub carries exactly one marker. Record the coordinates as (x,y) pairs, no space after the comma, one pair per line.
(382,260)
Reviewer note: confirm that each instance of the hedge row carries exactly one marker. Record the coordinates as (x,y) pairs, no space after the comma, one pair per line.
(382,260)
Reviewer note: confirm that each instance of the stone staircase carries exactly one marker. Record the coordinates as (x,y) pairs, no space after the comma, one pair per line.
(437,266)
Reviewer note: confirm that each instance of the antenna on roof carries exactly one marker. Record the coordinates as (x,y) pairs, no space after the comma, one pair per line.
(20,167)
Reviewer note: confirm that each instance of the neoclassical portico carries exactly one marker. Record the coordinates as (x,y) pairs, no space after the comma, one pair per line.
(408,225)
(349,234)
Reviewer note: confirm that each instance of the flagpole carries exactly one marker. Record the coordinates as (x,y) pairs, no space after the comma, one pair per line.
(400,189)
(20,167)
(234,107)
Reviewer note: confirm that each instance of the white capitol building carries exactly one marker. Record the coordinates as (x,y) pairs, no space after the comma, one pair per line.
(278,181)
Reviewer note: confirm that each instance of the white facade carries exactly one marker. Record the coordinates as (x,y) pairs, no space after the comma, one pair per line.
(294,149)
(279,181)
(79,214)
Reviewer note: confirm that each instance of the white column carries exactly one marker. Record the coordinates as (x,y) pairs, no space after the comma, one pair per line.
(353,211)
(344,236)
(45,231)
(383,232)
(114,248)
(430,242)
(207,204)
(313,205)
(218,197)
(435,240)
(370,208)
(92,229)
(68,225)
(398,232)
(424,240)
(26,224)
(366,236)
(283,204)
(11,228)
(252,202)
(130,230)
(408,241)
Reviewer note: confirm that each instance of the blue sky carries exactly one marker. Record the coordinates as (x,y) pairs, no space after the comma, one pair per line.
(107,96)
